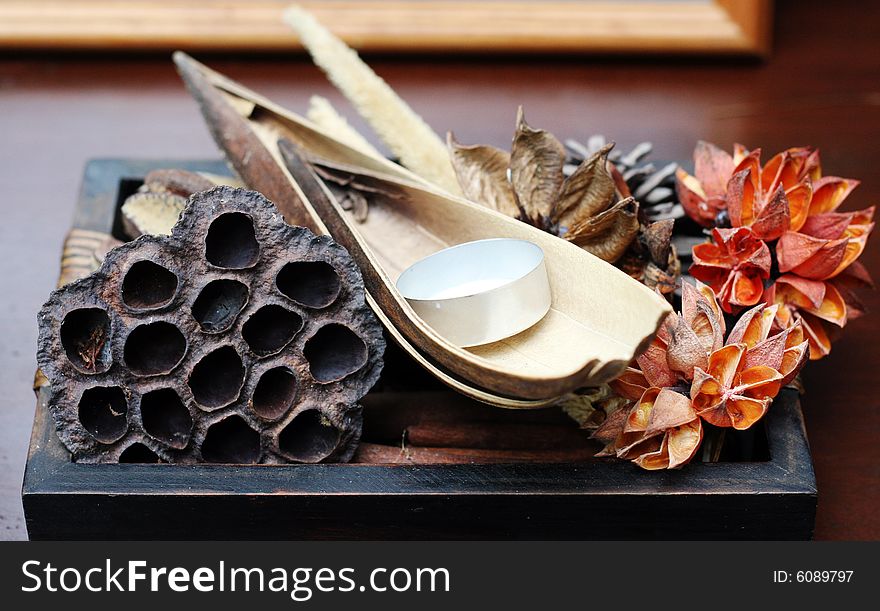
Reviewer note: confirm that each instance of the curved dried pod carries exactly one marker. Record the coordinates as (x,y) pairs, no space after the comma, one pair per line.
(237,339)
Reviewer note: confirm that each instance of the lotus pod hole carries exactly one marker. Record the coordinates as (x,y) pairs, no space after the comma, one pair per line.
(231,441)
(103,412)
(312,284)
(309,437)
(207,343)
(148,285)
(219,304)
(335,352)
(275,393)
(216,380)
(154,348)
(85,336)
(138,453)
(166,418)
(270,328)
(231,242)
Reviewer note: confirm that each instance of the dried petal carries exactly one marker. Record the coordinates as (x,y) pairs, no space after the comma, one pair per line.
(608,234)
(670,410)
(482,174)
(773,219)
(612,427)
(685,351)
(713,168)
(743,412)
(693,199)
(827,226)
(753,326)
(654,366)
(829,192)
(658,239)
(799,198)
(704,318)
(631,384)
(809,257)
(741,198)
(536,161)
(793,360)
(640,415)
(683,442)
(769,352)
(587,192)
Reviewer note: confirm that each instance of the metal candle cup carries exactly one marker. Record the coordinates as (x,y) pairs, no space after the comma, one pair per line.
(479,292)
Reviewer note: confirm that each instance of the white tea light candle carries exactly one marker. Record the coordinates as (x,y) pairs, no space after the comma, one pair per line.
(479,292)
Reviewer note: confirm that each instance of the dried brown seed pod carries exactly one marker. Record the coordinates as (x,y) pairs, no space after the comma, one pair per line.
(237,338)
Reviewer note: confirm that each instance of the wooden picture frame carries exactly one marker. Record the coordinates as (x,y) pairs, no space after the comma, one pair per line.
(497,26)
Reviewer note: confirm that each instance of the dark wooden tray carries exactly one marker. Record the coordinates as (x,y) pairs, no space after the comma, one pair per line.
(772,495)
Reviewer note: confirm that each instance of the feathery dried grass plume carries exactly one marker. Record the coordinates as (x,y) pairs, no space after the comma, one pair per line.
(322,113)
(404,132)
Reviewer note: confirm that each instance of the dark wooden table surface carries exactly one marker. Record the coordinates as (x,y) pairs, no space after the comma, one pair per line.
(822,87)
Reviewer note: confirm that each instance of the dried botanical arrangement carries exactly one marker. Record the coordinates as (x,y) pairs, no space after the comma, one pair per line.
(237,339)
(778,237)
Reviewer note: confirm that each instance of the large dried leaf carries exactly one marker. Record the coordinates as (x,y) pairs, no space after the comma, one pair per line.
(536,161)
(587,192)
(608,234)
(482,173)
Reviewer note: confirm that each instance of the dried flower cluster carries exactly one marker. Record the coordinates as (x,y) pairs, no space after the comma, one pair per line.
(778,237)
(590,206)
(691,374)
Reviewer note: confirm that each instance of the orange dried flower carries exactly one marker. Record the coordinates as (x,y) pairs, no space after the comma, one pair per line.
(735,264)
(788,204)
(660,431)
(690,373)
(770,200)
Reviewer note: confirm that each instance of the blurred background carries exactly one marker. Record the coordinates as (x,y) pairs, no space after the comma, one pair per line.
(87,79)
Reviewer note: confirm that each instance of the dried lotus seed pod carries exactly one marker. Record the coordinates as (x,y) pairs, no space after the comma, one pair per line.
(236,339)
